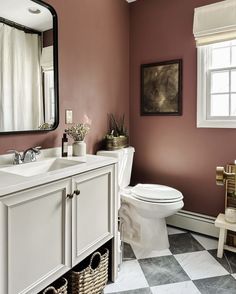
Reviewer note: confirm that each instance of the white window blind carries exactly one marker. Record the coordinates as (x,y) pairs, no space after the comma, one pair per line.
(215,22)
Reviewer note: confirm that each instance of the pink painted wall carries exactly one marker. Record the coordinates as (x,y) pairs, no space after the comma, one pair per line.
(93,69)
(171,150)
(94,80)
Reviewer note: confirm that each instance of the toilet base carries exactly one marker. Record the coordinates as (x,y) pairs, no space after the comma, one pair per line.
(143,223)
(146,233)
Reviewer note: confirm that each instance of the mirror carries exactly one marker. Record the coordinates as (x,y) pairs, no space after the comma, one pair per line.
(28,67)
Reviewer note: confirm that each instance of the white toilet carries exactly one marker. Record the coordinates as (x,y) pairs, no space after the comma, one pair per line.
(144,207)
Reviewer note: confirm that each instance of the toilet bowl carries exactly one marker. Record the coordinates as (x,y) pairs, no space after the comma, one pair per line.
(144,207)
(143,216)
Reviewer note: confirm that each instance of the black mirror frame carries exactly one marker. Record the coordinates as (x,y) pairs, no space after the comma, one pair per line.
(56,74)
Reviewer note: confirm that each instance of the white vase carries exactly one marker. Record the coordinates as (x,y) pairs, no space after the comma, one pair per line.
(79,148)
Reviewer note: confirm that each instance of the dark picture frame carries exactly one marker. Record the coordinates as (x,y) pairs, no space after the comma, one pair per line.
(161,88)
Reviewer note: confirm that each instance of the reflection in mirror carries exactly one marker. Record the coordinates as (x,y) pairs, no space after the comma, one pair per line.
(28,98)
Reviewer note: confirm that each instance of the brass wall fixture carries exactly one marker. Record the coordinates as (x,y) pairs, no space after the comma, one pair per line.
(222,176)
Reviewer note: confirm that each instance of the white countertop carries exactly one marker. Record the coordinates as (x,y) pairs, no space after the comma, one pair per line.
(11,183)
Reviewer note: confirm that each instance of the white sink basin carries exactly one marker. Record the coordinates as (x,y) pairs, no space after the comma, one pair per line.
(40,167)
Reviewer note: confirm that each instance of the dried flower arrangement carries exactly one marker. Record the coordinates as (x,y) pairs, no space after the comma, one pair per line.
(117,126)
(46,126)
(78,132)
(117,137)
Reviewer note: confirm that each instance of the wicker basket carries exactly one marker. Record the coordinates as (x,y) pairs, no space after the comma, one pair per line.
(117,143)
(59,287)
(93,278)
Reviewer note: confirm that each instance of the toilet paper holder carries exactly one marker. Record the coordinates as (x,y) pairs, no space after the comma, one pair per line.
(222,176)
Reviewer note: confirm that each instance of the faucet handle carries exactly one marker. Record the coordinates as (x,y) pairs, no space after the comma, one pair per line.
(37,149)
(13,151)
(17,156)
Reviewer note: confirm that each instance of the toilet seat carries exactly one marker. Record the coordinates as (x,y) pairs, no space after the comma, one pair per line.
(156,193)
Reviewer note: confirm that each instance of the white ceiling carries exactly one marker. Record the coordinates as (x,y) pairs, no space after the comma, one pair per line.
(17,11)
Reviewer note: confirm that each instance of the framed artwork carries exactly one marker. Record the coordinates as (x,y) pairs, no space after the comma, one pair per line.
(161,88)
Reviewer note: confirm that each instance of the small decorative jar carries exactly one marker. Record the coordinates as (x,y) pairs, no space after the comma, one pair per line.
(79,148)
(230,214)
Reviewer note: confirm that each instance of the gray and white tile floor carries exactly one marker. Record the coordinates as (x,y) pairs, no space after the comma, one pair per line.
(189,266)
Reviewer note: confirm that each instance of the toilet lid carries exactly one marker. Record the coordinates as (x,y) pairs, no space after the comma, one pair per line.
(156,193)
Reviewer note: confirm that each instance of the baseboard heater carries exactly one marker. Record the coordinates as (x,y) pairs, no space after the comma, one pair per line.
(194,222)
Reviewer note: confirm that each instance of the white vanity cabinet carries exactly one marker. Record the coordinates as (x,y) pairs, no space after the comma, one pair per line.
(35,237)
(46,230)
(92,212)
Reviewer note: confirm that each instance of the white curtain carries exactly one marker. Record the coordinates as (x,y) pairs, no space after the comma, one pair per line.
(21,103)
(47,58)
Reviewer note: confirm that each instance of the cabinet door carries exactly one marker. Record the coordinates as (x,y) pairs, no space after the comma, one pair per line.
(35,246)
(93,211)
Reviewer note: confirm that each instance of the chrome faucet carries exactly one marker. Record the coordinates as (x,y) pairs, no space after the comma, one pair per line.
(29,155)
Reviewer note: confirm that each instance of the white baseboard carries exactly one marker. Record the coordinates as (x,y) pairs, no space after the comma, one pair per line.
(195,222)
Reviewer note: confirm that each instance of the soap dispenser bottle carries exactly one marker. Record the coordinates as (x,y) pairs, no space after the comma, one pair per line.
(64,146)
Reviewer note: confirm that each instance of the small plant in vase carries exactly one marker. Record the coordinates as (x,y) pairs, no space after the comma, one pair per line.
(78,133)
(117,137)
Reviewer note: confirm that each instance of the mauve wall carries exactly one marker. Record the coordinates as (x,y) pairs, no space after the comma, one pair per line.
(171,150)
(93,69)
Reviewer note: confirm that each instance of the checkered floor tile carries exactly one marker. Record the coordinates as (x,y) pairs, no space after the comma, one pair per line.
(189,266)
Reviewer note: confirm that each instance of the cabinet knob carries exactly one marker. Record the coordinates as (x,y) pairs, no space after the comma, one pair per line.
(70,196)
(77,192)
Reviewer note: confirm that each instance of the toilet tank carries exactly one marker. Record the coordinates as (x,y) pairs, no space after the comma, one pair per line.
(125,162)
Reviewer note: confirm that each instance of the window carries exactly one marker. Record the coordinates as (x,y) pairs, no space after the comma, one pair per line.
(214,30)
(217,85)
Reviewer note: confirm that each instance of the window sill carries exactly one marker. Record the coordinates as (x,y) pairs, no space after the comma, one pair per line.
(223,124)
